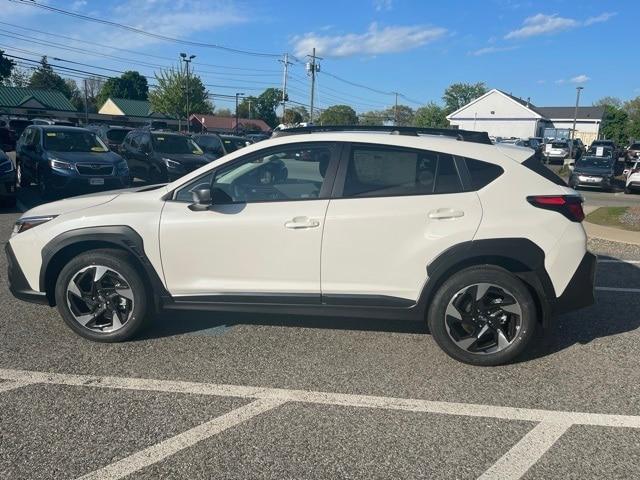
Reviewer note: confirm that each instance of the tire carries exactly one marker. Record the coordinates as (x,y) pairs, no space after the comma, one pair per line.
(21,179)
(133,303)
(517,329)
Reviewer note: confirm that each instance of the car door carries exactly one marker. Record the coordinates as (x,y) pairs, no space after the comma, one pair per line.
(260,239)
(132,154)
(394,210)
(24,152)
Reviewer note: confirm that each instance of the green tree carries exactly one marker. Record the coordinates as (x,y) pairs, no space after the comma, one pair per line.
(46,79)
(224,112)
(129,85)
(18,78)
(247,107)
(374,117)
(291,117)
(632,109)
(404,113)
(338,115)
(169,96)
(615,124)
(608,101)
(6,67)
(75,95)
(266,105)
(431,115)
(458,95)
(300,109)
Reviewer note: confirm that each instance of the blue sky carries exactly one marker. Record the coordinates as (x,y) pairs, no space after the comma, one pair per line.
(540,49)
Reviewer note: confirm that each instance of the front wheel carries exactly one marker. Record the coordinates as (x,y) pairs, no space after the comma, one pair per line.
(102,296)
(483,315)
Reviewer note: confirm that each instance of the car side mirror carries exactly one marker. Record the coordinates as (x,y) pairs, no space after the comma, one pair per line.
(201,200)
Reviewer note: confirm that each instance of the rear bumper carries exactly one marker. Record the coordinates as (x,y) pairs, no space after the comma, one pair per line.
(579,292)
(18,284)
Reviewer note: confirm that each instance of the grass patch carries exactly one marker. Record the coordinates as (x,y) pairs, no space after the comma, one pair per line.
(625,218)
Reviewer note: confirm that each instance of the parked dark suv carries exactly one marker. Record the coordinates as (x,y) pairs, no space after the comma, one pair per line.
(113,136)
(159,156)
(598,172)
(67,160)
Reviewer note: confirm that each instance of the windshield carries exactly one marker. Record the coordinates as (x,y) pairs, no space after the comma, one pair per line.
(117,135)
(595,162)
(232,144)
(635,146)
(174,144)
(558,145)
(73,141)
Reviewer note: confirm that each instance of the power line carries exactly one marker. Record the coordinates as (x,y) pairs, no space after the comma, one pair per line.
(139,31)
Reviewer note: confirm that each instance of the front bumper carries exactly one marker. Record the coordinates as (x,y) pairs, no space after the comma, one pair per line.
(82,183)
(598,182)
(579,292)
(18,285)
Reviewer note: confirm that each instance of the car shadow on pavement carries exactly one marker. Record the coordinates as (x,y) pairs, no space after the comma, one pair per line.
(613,313)
(174,323)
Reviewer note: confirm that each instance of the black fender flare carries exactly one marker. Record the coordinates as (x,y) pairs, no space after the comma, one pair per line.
(520,256)
(119,236)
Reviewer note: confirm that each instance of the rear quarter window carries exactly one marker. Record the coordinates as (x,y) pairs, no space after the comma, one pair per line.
(482,173)
(536,165)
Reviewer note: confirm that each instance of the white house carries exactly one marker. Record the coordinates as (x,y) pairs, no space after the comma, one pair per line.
(503,115)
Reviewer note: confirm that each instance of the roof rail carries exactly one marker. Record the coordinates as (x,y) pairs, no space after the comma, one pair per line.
(461,135)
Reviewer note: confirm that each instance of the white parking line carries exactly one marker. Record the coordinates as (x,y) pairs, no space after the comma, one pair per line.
(170,446)
(511,466)
(524,454)
(619,260)
(12,385)
(326,398)
(618,289)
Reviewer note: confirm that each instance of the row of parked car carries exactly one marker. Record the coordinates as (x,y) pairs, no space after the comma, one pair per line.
(63,160)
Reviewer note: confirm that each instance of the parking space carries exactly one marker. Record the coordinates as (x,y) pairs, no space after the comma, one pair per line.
(204,395)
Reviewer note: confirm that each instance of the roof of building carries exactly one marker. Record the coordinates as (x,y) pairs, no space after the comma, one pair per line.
(214,122)
(524,103)
(569,112)
(133,108)
(15,97)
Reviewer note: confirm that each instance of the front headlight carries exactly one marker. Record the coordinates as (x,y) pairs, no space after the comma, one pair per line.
(171,163)
(60,165)
(27,223)
(6,166)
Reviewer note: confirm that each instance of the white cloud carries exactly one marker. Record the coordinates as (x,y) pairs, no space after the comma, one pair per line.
(374,41)
(383,5)
(580,79)
(488,50)
(541,82)
(603,17)
(542,24)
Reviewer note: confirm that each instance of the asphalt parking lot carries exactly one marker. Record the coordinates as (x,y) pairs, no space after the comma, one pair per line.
(249,396)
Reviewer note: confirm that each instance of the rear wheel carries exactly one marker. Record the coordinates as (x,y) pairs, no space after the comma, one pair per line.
(102,297)
(483,315)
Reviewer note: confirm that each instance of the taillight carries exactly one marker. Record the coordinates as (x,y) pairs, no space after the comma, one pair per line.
(568,205)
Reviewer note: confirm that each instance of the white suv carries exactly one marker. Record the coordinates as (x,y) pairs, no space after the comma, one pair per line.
(632,182)
(481,241)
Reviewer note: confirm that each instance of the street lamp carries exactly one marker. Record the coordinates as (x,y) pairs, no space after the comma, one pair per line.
(237,95)
(575,112)
(187,59)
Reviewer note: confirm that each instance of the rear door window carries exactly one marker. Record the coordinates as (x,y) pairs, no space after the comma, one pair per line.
(482,173)
(375,171)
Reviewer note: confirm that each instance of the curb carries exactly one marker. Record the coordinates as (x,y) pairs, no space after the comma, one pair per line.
(611,234)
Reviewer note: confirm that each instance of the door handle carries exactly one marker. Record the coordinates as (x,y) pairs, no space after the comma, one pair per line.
(298,223)
(445,213)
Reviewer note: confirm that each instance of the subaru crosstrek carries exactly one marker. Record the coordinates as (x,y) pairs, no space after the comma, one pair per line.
(481,241)
(67,160)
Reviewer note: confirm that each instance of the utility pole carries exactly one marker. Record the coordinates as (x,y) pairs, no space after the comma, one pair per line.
(86,104)
(575,113)
(312,69)
(250,108)
(187,59)
(286,64)
(395,111)
(237,95)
